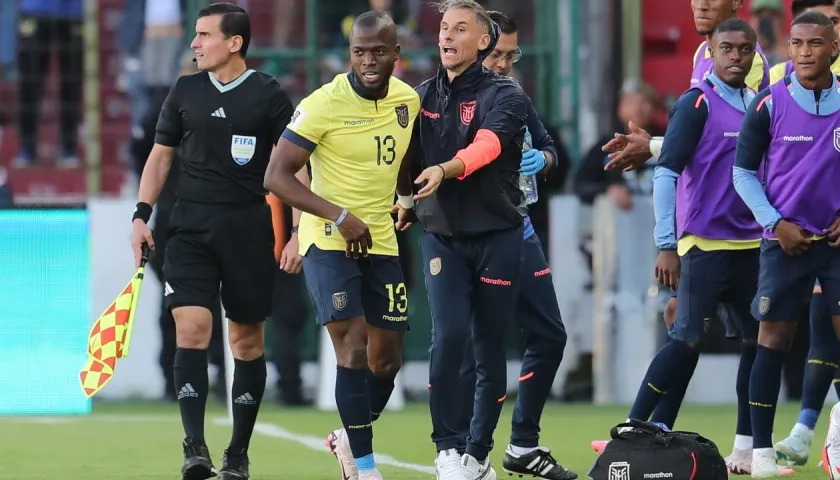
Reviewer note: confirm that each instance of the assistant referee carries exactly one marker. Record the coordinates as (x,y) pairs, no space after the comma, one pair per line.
(226,118)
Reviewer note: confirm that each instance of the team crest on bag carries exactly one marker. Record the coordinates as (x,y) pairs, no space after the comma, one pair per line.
(619,471)
(467,112)
(434,266)
(402,115)
(837,139)
(764,302)
(340,300)
(242,148)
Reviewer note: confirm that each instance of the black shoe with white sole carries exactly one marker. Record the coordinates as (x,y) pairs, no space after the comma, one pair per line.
(538,464)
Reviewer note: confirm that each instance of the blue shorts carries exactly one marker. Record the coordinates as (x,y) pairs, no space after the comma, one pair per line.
(710,279)
(343,288)
(784,280)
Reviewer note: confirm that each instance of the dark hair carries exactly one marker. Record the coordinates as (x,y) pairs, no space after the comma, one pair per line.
(480,13)
(235,21)
(799,6)
(505,23)
(373,18)
(813,18)
(735,25)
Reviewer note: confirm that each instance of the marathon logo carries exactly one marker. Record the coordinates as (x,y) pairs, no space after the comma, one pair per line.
(496,281)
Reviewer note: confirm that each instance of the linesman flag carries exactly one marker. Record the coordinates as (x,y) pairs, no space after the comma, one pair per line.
(111,334)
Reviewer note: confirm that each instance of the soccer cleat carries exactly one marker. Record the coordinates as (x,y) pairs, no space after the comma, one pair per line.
(370,475)
(234,466)
(739,462)
(473,470)
(538,463)
(197,462)
(831,450)
(795,448)
(448,466)
(599,445)
(339,446)
(764,464)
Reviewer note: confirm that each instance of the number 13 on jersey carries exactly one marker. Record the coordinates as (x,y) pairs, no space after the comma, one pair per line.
(386,150)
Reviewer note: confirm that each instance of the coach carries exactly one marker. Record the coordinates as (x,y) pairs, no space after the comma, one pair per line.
(471,130)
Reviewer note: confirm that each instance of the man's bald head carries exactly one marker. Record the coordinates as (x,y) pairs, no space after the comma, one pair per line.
(375,24)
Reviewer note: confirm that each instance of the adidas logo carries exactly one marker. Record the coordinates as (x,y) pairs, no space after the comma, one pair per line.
(187,391)
(167,289)
(245,399)
(220,113)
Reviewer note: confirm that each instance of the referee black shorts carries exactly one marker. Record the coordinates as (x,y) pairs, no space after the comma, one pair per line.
(231,245)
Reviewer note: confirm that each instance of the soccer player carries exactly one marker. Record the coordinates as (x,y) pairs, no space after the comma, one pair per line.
(226,118)
(537,310)
(824,352)
(632,151)
(711,256)
(792,129)
(354,131)
(470,134)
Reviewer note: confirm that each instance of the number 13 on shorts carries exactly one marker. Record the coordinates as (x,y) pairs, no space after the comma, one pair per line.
(397,298)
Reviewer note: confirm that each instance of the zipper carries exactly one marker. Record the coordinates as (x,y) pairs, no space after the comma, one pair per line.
(743,101)
(817,95)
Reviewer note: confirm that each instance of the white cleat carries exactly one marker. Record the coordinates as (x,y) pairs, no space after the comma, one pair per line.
(370,475)
(339,446)
(448,465)
(473,470)
(739,462)
(831,450)
(764,464)
(795,448)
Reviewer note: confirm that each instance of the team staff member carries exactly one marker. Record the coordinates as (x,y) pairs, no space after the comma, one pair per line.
(821,366)
(537,310)
(225,119)
(472,211)
(354,132)
(789,131)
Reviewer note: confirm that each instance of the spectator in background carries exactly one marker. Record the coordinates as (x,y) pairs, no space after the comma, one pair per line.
(129,42)
(767,19)
(163,44)
(8,39)
(44,26)
(637,104)
(141,147)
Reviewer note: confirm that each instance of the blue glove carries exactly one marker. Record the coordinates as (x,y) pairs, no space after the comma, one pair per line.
(533,161)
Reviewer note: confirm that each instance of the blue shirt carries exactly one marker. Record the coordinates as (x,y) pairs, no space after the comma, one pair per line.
(62,9)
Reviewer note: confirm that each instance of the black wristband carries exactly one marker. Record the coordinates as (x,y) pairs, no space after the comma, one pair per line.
(775,225)
(143,211)
(294,229)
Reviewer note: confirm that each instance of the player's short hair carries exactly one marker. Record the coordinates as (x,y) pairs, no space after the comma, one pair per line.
(373,19)
(506,24)
(799,6)
(235,21)
(480,13)
(813,18)
(735,25)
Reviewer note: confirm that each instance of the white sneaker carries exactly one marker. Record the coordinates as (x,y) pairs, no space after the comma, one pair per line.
(448,465)
(477,471)
(370,475)
(764,464)
(831,451)
(795,448)
(739,462)
(339,445)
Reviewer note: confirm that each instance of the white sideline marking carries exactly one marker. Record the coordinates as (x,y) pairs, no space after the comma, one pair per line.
(108,418)
(317,444)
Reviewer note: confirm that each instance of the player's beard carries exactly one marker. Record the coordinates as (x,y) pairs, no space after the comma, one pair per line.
(372,92)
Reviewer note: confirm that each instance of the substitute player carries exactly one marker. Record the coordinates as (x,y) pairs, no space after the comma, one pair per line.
(537,311)
(470,134)
(711,256)
(226,119)
(355,132)
(824,352)
(792,129)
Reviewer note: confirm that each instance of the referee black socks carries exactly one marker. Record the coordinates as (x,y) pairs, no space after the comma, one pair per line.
(247,393)
(191,387)
(380,392)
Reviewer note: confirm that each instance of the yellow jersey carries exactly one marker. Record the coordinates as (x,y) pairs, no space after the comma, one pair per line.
(781,70)
(359,145)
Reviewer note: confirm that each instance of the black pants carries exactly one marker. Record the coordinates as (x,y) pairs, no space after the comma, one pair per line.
(288,317)
(39,37)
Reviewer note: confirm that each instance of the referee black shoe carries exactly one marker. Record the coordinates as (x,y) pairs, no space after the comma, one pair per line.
(537,464)
(234,465)
(197,463)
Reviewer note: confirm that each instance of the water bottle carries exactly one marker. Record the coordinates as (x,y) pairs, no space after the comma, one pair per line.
(528,185)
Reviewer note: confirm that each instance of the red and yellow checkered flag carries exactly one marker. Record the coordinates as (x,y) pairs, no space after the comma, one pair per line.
(110,336)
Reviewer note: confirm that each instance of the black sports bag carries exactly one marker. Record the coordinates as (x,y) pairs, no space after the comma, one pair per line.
(646,452)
